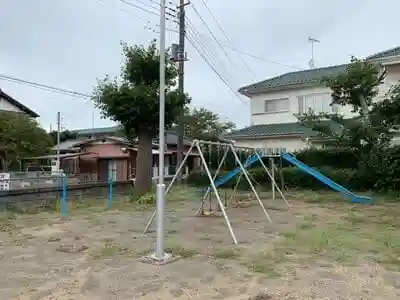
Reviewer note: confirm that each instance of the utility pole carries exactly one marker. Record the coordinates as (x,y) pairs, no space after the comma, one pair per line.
(58,139)
(180,57)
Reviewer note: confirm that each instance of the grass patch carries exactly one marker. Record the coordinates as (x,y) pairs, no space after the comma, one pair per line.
(227,253)
(344,234)
(266,262)
(182,251)
(110,250)
(354,235)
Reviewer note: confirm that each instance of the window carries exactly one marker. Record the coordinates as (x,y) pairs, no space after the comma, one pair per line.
(318,103)
(277,105)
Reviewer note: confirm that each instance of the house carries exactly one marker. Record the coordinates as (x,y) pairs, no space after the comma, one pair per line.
(8,103)
(107,155)
(274,103)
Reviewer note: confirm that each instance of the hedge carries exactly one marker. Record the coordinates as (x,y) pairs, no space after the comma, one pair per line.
(293,178)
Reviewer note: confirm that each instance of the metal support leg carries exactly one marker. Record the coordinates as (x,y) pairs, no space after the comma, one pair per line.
(273,180)
(228,223)
(251,184)
(200,211)
(169,187)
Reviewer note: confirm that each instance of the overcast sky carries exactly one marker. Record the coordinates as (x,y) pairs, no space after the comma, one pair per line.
(69,43)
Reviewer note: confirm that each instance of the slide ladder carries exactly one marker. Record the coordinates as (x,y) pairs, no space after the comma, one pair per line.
(325,180)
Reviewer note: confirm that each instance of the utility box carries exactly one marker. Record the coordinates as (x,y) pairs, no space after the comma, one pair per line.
(175,52)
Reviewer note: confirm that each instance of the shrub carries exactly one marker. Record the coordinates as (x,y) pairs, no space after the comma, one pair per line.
(335,158)
(293,178)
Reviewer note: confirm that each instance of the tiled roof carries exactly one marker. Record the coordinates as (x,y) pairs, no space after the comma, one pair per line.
(67,145)
(271,130)
(171,137)
(18,104)
(384,54)
(101,130)
(309,77)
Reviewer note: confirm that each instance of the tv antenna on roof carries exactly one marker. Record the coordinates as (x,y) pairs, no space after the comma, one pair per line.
(312,41)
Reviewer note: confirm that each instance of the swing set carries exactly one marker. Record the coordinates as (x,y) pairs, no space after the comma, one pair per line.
(252,156)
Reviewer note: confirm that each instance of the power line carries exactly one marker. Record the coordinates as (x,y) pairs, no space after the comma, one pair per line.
(45,87)
(139,7)
(227,38)
(215,39)
(260,58)
(207,50)
(170,18)
(214,69)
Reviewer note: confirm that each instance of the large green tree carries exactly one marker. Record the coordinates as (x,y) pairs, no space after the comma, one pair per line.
(20,136)
(133,101)
(203,124)
(368,134)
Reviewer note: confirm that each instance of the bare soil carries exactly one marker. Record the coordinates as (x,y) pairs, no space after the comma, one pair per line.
(319,249)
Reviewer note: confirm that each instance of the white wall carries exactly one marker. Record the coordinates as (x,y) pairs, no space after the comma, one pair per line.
(257,106)
(5,105)
(257,102)
(289,144)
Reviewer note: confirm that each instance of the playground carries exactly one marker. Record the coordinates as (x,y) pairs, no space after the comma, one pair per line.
(229,243)
(322,248)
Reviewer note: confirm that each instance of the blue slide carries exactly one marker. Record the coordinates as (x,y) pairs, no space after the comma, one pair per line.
(333,185)
(228,176)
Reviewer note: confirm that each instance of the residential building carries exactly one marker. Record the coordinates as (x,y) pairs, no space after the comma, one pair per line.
(8,103)
(275,102)
(108,155)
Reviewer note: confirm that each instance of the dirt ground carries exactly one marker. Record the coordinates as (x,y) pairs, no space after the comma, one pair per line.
(319,249)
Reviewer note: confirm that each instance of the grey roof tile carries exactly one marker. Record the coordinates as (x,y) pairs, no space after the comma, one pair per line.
(308,77)
(171,137)
(271,130)
(18,104)
(384,54)
(293,79)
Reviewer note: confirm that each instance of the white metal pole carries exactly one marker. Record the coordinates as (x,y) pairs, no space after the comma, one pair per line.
(273,177)
(208,191)
(246,175)
(169,187)
(58,140)
(159,253)
(228,223)
(273,180)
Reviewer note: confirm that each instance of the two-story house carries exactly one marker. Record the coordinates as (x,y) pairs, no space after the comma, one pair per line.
(8,103)
(275,102)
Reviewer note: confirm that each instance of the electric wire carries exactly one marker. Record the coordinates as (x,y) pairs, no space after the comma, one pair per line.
(171,17)
(227,38)
(206,60)
(216,40)
(260,58)
(213,56)
(44,87)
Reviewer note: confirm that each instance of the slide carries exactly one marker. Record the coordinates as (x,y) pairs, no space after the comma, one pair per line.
(333,185)
(228,176)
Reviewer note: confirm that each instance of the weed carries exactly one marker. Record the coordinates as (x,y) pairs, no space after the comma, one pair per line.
(228,253)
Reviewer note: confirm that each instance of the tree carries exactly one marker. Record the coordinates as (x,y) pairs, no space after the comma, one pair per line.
(20,136)
(368,134)
(133,101)
(64,136)
(356,87)
(203,124)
